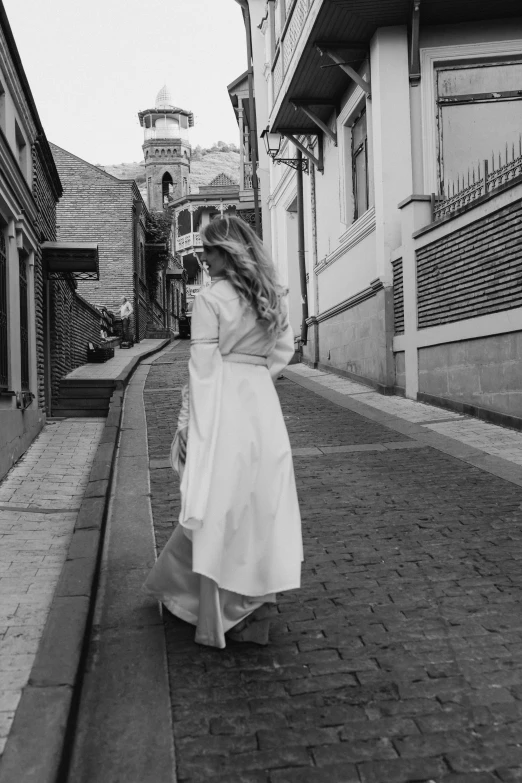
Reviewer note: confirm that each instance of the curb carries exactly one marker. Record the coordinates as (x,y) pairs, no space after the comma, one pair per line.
(40,742)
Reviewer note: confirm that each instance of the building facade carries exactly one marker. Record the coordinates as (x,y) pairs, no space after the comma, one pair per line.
(97,207)
(405,121)
(43,323)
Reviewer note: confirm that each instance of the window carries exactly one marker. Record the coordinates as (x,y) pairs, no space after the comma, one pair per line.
(360,165)
(2,107)
(4,341)
(21,148)
(479,115)
(24,322)
(167,187)
(185,186)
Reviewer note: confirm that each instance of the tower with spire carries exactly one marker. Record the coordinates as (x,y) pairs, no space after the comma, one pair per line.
(166,150)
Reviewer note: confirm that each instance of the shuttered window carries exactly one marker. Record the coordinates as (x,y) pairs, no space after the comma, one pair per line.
(4,335)
(24,324)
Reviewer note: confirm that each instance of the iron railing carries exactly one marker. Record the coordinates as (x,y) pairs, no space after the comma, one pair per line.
(479,181)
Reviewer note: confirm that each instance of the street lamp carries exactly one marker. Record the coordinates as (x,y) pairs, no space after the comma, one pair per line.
(273,143)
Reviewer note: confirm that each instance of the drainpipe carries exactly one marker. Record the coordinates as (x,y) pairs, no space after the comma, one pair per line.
(252,114)
(301,246)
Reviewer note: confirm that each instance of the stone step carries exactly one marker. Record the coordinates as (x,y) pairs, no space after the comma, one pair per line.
(86,383)
(98,403)
(103,392)
(75,413)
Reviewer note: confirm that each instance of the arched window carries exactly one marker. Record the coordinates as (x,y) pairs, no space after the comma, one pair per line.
(167,187)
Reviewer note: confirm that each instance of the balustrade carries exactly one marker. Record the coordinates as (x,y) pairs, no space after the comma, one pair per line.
(295,17)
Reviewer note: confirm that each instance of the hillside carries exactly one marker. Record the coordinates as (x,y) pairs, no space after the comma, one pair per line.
(205,165)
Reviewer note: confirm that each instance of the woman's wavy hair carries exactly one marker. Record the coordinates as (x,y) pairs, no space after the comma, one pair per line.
(248,267)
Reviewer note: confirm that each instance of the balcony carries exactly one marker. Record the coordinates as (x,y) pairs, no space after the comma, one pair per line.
(189,241)
(296,15)
(247,177)
(299,71)
(165,133)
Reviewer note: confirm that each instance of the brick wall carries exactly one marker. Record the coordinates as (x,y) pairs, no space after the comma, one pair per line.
(97,207)
(45,196)
(473,271)
(74,323)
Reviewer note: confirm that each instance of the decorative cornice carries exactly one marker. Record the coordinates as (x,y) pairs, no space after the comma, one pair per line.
(357,232)
(367,293)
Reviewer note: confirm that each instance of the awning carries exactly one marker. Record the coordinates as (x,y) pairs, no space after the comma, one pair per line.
(71,259)
(347,27)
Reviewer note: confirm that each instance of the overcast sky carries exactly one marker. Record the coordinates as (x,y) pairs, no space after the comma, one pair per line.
(93,65)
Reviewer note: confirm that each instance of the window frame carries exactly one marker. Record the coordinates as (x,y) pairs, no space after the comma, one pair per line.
(432,57)
(362,149)
(466,99)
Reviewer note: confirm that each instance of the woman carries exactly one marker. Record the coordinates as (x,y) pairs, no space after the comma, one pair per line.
(239,538)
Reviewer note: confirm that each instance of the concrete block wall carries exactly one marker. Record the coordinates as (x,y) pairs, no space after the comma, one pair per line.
(485,372)
(355,340)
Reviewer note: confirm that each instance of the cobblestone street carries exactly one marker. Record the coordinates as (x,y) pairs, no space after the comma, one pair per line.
(400,659)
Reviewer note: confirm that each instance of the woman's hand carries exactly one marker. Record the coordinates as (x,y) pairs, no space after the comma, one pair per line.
(182,440)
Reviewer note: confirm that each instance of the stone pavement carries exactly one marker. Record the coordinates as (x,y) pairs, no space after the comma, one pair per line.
(112,368)
(400,659)
(39,502)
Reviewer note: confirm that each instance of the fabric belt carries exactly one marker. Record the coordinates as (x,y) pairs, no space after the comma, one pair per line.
(246,358)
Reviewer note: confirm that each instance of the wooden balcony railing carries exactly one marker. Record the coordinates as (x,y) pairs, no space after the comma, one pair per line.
(188,240)
(294,22)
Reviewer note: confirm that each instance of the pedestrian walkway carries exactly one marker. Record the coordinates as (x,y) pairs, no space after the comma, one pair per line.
(113,368)
(490,438)
(39,502)
(400,659)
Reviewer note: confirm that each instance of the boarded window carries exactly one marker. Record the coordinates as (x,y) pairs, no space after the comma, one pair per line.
(479,116)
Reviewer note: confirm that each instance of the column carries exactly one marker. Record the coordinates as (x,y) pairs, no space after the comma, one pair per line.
(241,146)
(13,298)
(391,139)
(415,213)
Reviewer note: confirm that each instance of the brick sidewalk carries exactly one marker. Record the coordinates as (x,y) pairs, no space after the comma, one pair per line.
(39,501)
(400,659)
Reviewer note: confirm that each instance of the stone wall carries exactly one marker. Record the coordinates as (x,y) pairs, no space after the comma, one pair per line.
(356,340)
(400,370)
(485,372)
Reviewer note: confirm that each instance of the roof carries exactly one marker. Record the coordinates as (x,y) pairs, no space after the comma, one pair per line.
(220,180)
(41,140)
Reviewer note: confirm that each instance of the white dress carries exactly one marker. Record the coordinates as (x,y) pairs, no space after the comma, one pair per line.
(239,538)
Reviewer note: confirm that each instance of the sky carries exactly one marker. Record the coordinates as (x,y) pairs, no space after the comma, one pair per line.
(93,65)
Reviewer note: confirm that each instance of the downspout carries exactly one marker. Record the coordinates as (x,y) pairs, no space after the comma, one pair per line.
(301,246)
(252,114)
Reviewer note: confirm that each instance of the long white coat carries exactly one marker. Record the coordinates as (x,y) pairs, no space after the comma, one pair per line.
(238,496)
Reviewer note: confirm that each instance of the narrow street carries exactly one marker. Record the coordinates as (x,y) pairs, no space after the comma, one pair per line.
(400,659)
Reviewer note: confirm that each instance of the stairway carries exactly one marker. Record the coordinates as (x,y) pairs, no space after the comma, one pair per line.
(83,398)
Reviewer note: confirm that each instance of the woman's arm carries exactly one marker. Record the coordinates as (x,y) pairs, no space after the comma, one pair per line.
(283,349)
(205,381)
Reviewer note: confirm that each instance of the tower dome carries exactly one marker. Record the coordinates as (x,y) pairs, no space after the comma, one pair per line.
(164,99)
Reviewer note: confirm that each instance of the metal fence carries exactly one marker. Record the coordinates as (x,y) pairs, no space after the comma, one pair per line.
(479,181)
